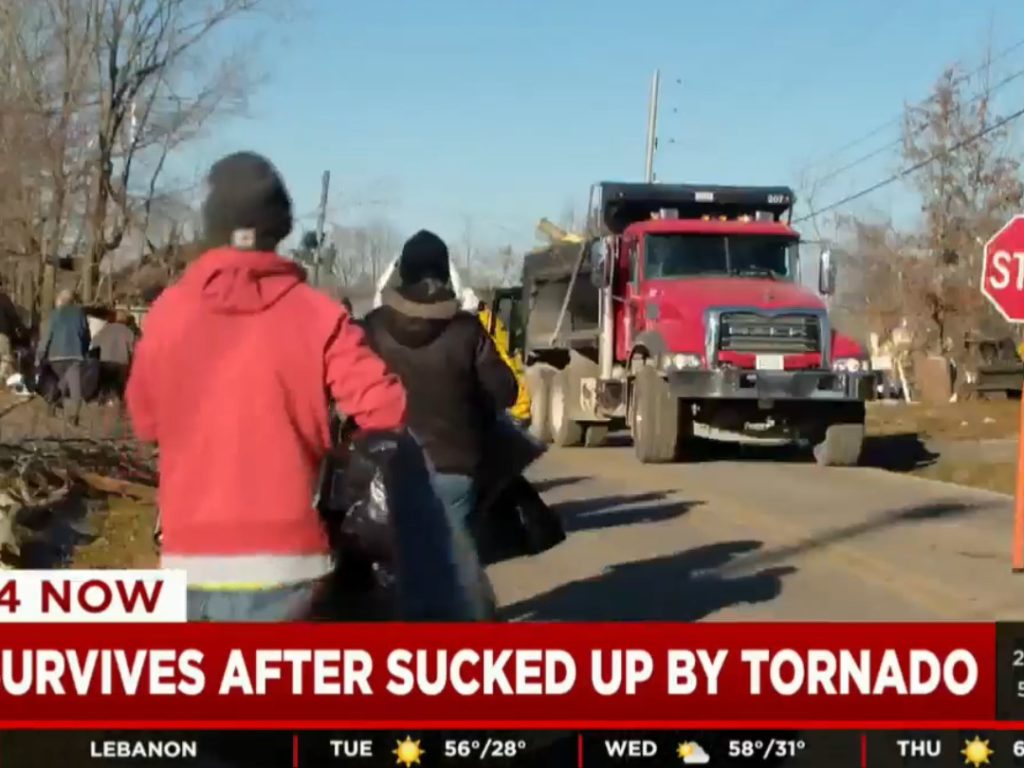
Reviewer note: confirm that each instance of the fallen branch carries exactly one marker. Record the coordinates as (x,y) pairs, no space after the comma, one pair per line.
(112,485)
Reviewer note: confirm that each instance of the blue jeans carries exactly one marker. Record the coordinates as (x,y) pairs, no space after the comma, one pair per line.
(284,603)
(458,495)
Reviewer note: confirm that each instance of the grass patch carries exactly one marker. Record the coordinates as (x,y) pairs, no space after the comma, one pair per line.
(124,540)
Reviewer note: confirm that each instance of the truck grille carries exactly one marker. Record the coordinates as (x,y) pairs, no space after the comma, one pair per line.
(778,334)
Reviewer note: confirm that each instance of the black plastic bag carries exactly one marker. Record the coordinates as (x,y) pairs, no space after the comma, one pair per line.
(508,451)
(517,523)
(389,534)
(45,383)
(511,518)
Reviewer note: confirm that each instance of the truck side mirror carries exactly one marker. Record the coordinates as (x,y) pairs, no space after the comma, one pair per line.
(827,273)
(602,263)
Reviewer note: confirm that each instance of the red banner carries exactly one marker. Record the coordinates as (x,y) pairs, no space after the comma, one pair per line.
(561,674)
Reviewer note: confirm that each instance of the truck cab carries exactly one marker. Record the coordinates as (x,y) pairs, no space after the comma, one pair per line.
(703,327)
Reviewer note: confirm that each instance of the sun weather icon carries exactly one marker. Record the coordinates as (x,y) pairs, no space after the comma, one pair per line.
(408,752)
(976,752)
(692,753)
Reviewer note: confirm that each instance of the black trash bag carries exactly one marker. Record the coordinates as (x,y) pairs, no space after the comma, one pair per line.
(389,535)
(518,523)
(90,373)
(508,451)
(45,383)
(511,518)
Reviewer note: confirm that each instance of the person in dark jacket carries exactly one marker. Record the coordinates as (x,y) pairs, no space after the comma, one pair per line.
(456,382)
(63,345)
(12,334)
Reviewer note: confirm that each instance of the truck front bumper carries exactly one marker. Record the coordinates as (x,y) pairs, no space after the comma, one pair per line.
(736,384)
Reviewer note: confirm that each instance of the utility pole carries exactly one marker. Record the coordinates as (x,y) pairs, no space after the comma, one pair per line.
(320,224)
(652,127)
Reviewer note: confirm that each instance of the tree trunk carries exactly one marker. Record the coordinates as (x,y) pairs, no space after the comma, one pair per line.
(47,290)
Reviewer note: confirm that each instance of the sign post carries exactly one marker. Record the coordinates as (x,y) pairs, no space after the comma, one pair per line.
(1002,283)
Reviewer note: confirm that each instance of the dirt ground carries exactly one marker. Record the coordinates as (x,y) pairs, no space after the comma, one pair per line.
(972,420)
(971,443)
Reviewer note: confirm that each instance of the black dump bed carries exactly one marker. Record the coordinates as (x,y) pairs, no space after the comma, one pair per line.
(620,204)
(547,274)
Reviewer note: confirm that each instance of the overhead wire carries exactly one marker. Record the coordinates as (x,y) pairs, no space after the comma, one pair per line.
(909,170)
(989,61)
(885,148)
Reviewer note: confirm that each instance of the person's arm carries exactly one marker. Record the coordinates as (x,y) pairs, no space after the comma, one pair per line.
(494,373)
(361,385)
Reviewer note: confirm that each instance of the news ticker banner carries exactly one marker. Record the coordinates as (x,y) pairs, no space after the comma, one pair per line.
(412,748)
(115,668)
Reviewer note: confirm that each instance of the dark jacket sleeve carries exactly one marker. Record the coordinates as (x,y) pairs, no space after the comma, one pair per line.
(83,332)
(495,376)
(12,320)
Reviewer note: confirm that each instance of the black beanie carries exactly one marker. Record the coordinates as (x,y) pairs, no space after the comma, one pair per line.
(247,205)
(424,255)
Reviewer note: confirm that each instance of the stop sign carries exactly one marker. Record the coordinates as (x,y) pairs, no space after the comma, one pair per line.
(1002,270)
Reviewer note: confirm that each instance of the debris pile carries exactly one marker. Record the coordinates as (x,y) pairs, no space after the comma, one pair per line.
(52,489)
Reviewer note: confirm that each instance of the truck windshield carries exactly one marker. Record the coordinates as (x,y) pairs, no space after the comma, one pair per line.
(740,255)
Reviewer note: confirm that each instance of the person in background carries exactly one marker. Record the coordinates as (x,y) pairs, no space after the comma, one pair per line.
(116,345)
(12,333)
(520,410)
(63,345)
(232,378)
(456,381)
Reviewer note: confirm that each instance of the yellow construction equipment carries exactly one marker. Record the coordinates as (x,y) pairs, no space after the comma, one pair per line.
(555,234)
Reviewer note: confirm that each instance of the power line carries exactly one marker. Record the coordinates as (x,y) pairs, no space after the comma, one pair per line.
(923,103)
(902,174)
(885,148)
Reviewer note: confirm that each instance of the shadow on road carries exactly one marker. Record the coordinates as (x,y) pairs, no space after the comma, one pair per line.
(902,452)
(557,482)
(685,586)
(937,510)
(614,511)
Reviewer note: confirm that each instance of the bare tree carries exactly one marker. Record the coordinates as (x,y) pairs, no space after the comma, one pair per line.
(151,93)
(969,184)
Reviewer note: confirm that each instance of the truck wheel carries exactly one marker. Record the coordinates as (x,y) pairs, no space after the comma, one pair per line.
(595,436)
(655,419)
(538,384)
(564,431)
(841,447)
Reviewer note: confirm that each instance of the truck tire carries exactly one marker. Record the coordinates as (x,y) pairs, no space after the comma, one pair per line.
(841,446)
(538,381)
(595,436)
(655,418)
(564,432)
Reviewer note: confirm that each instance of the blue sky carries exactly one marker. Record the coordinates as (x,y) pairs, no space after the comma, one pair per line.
(435,114)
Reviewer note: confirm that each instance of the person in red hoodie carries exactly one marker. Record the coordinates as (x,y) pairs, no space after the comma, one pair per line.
(233,379)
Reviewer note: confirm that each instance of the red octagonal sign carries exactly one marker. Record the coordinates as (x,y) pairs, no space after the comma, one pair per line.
(1002,270)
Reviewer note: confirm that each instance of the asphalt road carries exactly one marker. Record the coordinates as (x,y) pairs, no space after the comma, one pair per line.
(762,538)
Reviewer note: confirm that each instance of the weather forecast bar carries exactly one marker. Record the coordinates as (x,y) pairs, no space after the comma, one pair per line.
(408,748)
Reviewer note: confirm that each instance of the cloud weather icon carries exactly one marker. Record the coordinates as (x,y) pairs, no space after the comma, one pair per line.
(692,753)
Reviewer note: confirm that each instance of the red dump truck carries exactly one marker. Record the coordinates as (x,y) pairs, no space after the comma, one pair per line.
(683,316)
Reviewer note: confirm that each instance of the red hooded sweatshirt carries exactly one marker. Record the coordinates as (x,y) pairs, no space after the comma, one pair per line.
(232,379)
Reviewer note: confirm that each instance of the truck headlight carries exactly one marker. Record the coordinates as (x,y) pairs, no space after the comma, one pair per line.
(682,361)
(851,364)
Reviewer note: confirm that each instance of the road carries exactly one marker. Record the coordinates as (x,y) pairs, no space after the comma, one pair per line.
(765,538)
